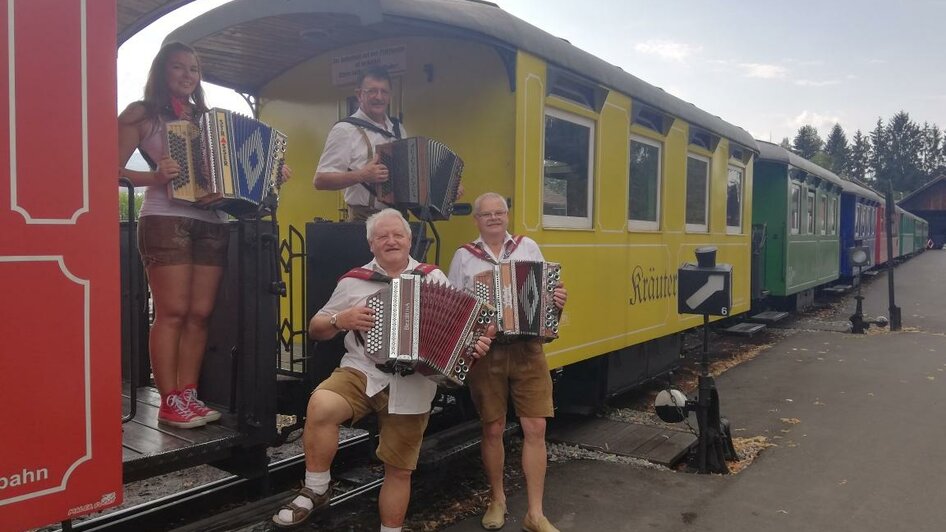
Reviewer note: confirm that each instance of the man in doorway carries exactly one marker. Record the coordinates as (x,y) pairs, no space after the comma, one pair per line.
(349,160)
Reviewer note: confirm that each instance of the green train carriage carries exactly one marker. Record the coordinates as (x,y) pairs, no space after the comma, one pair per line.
(798,203)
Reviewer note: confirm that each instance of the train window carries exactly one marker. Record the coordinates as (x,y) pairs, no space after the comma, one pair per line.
(810,213)
(643,211)
(833,216)
(734,201)
(796,209)
(697,193)
(823,215)
(567,187)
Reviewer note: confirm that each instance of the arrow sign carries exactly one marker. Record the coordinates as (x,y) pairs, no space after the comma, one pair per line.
(714,284)
(704,290)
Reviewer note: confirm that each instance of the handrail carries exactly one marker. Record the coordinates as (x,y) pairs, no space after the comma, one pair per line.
(130,272)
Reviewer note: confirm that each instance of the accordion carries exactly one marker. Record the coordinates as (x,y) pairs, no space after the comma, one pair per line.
(423,176)
(521,292)
(227,156)
(425,327)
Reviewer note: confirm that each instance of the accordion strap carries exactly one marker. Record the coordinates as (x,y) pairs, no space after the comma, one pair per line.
(364,124)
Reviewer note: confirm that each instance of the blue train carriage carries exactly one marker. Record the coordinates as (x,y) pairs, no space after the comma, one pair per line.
(797,202)
(616,179)
(860,225)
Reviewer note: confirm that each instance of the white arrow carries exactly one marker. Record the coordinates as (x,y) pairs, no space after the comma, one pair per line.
(714,284)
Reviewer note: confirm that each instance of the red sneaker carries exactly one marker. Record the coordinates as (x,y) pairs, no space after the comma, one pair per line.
(175,412)
(197,406)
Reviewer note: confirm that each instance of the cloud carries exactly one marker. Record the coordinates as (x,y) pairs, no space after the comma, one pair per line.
(813,83)
(823,123)
(667,50)
(758,70)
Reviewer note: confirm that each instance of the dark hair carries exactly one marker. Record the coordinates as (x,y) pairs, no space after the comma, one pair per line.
(157,98)
(375,72)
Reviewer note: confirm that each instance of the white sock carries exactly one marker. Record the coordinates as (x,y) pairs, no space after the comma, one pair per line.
(318,482)
(390,528)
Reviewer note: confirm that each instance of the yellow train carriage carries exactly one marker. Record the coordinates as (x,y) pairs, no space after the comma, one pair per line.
(614,178)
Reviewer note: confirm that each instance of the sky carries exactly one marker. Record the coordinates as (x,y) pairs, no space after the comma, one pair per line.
(767,66)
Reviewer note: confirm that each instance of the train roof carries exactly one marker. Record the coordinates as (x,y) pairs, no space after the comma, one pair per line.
(775,153)
(851,187)
(135,15)
(245,44)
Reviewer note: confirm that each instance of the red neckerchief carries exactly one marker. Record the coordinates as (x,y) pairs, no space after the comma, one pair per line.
(478,249)
(179,106)
(365,274)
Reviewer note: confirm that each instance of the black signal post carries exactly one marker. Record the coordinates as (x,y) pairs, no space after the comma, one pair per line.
(706,288)
(893,309)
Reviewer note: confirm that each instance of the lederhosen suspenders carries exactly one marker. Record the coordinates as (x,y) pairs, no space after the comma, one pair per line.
(478,249)
(361,126)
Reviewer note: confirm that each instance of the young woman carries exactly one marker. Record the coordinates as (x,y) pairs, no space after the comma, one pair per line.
(183,246)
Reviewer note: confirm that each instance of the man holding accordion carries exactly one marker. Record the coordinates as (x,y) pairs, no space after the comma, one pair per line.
(516,367)
(349,160)
(358,387)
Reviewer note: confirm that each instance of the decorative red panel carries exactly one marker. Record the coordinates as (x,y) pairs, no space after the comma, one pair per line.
(60,370)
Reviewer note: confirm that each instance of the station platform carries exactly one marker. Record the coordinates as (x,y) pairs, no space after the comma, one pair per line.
(855,424)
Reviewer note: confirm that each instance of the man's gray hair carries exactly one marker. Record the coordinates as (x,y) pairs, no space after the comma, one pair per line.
(384,213)
(485,196)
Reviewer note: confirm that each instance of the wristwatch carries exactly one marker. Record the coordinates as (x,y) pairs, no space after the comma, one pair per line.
(333,321)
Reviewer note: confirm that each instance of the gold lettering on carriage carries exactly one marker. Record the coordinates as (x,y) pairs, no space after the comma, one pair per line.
(26,476)
(650,286)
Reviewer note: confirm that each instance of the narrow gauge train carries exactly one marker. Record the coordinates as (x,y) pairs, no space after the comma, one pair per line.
(616,179)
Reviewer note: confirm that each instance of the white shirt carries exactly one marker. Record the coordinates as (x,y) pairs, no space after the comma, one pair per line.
(466,265)
(345,150)
(409,394)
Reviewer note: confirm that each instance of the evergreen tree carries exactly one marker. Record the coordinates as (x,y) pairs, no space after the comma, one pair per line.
(878,155)
(807,142)
(931,151)
(787,144)
(837,150)
(860,157)
(903,154)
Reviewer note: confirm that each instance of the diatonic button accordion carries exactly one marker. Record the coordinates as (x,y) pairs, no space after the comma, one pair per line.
(425,327)
(229,161)
(521,292)
(423,176)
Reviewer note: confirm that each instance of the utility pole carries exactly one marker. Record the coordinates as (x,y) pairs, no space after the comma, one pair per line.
(893,309)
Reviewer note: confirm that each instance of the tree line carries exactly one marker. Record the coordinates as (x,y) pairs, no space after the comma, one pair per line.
(898,152)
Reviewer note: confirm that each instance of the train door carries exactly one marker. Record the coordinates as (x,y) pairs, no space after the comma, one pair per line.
(60,456)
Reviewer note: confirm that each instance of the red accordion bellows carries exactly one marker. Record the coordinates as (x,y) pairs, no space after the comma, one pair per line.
(432,329)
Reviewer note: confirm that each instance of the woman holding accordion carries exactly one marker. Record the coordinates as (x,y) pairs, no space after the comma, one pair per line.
(183,246)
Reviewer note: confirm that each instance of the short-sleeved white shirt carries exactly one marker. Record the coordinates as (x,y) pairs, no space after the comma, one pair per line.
(465,265)
(345,150)
(409,394)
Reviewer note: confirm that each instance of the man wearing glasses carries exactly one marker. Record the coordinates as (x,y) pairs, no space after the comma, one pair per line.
(349,160)
(518,369)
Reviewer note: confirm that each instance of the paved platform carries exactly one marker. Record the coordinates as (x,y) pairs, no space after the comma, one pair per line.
(857,422)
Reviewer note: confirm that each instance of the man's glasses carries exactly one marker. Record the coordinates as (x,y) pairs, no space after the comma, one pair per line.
(375,92)
(492,214)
